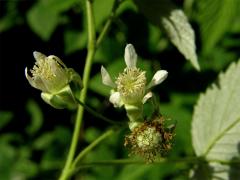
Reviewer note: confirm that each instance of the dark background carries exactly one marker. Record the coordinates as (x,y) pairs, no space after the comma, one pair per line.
(178,94)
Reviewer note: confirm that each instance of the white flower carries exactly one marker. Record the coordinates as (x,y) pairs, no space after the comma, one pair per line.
(49,74)
(59,84)
(130,86)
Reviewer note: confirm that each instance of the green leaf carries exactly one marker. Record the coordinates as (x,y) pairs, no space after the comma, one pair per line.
(26,168)
(102,10)
(56,149)
(215,17)
(44,141)
(12,15)
(104,151)
(74,40)
(60,5)
(42,20)
(126,5)
(44,16)
(36,117)
(162,13)
(5,118)
(216,120)
(177,109)
(91,134)
(148,171)
(182,35)
(7,159)
(134,172)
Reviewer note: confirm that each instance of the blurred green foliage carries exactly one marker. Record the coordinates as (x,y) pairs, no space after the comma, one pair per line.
(39,152)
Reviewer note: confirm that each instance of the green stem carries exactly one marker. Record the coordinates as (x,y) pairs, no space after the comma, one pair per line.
(86,74)
(131,161)
(90,110)
(108,23)
(91,146)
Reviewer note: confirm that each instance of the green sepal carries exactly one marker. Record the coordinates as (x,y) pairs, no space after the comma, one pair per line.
(75,82)
(134,112)
(63,99)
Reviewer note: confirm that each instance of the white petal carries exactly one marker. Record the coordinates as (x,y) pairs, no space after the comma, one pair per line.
(115,99)
(30,79)
(146,97)
(38,55)
(130,56)
(36,82)
(158,77)
(106,79)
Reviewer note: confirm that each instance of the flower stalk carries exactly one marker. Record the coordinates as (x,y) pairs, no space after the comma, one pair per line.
(86,75)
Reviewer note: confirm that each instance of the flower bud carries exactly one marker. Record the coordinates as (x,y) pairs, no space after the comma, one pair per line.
(59,84)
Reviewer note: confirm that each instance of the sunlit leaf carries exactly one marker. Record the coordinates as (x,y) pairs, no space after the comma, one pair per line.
(182,35)
(216,121)
(175,23)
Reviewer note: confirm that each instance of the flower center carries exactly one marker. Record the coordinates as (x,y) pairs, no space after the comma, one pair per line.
(149,138)
(43,69)
(131,85)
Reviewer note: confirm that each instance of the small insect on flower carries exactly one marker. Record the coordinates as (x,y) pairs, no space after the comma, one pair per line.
(53,78)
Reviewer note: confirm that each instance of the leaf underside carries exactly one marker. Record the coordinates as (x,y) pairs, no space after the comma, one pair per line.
(173,20)
(216,121)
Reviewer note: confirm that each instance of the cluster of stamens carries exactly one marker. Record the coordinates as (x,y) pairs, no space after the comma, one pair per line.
(131,84)
(42,69)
